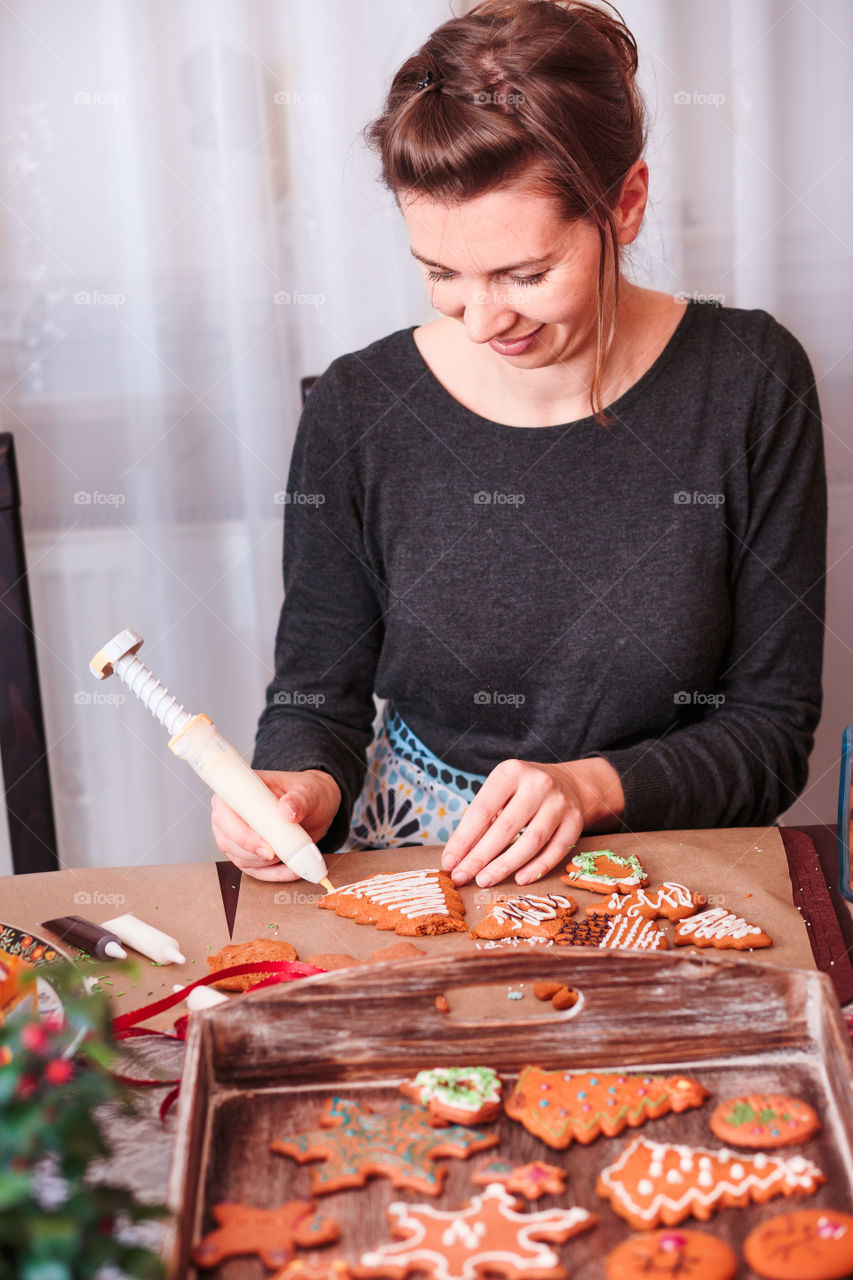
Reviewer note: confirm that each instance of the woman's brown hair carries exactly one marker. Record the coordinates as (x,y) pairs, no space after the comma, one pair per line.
(539,89)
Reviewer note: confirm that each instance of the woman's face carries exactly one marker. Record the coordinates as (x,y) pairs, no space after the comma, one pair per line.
(512,270)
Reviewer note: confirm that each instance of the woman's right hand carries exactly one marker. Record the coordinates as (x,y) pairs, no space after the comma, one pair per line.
(309,797)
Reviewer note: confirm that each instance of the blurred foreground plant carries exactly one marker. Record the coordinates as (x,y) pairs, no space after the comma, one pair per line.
(55,1223)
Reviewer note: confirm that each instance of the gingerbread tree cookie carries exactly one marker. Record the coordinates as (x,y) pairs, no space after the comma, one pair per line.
(529,1180)
(722,929)
(616,932)
(486,1237)
(414,903)
(269,1233)
(659,1182)
(562,1107)
(355,1144)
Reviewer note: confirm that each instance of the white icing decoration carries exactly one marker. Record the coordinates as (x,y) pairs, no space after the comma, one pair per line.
(636,932)
(647,1202)
(656,1169)
(676,896)
(529,909)
(716,923)
(406,1254)
(412,893)
(674,1176)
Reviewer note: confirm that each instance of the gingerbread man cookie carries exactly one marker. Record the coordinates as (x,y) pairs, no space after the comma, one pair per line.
(355,1144)
(670,900)
(269,1233)
(808,1244)
(672,1252)
(414,903)
(486,1237)
(562,1107)
(722,929)
(655,1182)
(602,871)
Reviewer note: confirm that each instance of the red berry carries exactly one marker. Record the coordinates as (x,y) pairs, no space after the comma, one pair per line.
(27,1086)
(33,1037)
(58,1071)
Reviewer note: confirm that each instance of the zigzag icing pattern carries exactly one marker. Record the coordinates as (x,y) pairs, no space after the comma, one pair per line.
(670,894)
(667,1181)
(530,909)
(636,932)
(716,923)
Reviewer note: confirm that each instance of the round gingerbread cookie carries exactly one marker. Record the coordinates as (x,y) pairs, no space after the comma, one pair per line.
(673,1251)
(764,1120)
(808,1244)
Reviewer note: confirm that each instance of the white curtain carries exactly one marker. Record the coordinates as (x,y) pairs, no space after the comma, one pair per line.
(189,223)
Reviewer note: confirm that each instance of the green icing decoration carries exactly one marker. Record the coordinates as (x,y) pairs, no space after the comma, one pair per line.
(766,1114)
(742,1113)
(468,1087)
(584,865)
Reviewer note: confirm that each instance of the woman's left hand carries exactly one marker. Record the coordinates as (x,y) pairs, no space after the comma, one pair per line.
(553,802)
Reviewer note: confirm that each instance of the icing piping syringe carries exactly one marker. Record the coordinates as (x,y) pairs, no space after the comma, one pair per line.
(196,740)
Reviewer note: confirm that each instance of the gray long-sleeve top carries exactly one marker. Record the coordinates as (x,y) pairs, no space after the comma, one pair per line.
(650,591)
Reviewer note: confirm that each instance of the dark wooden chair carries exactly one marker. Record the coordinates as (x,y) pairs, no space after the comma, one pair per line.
(23,749)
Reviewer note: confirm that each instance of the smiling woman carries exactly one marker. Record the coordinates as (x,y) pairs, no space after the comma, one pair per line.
(572,531)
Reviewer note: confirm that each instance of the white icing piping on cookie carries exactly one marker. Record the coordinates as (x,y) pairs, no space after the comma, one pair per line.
(412,893)
(674,895)
(717,923)
(632,931)
(793,1172)
(530,909)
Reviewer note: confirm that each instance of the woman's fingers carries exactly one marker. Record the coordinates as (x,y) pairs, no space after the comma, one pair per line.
(558,847)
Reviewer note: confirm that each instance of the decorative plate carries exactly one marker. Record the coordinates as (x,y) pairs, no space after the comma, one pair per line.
(37,952)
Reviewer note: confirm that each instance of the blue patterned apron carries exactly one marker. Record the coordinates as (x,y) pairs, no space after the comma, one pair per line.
(409,797)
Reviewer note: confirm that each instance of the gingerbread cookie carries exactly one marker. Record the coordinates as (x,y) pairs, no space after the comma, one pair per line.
(722,929)
(258,950)
(269,1233)
(486,1237)
(414,903)
(603,871)
(655,1182)
(561,996)
(527,916)
(528,1180)
(336,1269)
(808,1244)
(764,1120)
(356,1144)
(672,1252)
(670,900)
(456,1095)
(614,932)
(333,960)
(562,1107)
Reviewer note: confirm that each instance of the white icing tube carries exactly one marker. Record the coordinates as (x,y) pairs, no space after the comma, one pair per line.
(151,942)
(226,772)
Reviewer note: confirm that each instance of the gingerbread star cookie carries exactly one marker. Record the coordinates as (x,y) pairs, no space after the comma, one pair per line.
(659,1182)
(808,1244)
(603,871)
(355,1144)
(486,1237)
(722,929)
(672,1252)
(269,1233)
(562,1107)
(670,900)
(414,903)
(527,916)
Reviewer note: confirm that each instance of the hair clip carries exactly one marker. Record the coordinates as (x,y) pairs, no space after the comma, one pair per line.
(426,81)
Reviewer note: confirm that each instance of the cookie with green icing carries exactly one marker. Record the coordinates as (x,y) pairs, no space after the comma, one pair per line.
(456,1095)
(764,1120)
(602,871)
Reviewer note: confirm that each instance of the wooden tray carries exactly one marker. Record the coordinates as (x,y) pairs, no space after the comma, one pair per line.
(262,1067)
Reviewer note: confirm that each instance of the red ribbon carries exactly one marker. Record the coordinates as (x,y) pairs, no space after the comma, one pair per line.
(125,1026)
